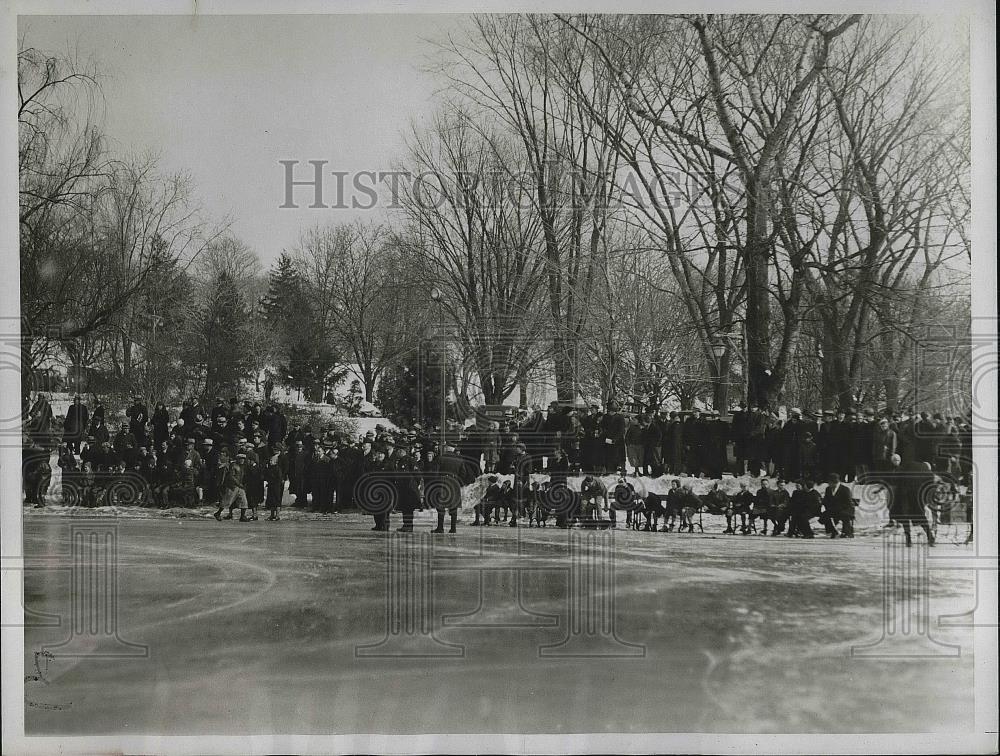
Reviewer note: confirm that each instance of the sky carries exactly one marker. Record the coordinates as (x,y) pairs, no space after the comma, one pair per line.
(225,98)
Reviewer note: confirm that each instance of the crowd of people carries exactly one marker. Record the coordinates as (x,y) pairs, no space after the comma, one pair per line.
(244,456)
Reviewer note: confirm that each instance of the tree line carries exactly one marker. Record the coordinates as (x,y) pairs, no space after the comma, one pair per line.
(768,208)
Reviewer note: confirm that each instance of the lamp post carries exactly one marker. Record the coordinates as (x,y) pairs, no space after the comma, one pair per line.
(718,352)
(438,296)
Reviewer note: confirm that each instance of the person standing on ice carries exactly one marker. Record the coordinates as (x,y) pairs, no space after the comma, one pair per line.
(522,483)
(443,486)
(233,493)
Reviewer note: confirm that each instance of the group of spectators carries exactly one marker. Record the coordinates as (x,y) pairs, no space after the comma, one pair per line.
(805,445)
(242,455)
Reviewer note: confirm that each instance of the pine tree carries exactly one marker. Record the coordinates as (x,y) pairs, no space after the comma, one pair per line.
(284,292)
(410,391)
(224,335)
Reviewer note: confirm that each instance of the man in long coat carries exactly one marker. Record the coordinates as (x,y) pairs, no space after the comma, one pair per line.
(75,425)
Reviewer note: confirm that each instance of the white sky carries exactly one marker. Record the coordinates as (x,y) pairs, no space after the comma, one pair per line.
(226,97)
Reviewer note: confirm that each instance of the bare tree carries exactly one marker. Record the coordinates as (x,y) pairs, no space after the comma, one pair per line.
(740,93)
(355,281)
(503,69)
(471,220)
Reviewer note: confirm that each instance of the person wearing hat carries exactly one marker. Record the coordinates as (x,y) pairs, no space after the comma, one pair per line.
(233,493)
(326,473)
(909,491)
(298,473)
(160,422)
(789,463)
(839,444)
(864,442)
(522,468)
(443,483)
(590,443)
(739,431)
(75,424)
(138,416)
(838,506)
(717,437)
(253,477)
(624,497)
(824,448)
(218,408)
(593,500)
(673,445)
(613,433)
(855,443)
(694,443)
(275,473)
(406,480)
(209,479)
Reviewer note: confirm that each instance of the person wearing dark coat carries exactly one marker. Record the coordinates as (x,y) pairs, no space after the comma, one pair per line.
(593,497)
(522,469)
(838,506)
(407,481)
(803,505)
(138,416)
(558,499)
(791,437)
(377,489)
(695,441)
(299,463)
(37,471)
(808,452)
(531,434)
(40,421)
(910,489)
(613,435)
(319,478)
(470,446)
(763,505)
(508,451)
(187,411)
(740,433)
(716,441)
(161,423)
(557,428)
(673,445)
(651,438)
(75,425)
(274,478)
(253,478)
(591,444)
(278,427)
(443,486)
(743,503)
(862,441)
(884,445)
(839,446)
(348,471)
(123,439)
(756,449)
(779,508)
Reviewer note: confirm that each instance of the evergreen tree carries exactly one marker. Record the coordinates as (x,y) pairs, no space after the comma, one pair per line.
(224,337)
(284,292)
(410,391)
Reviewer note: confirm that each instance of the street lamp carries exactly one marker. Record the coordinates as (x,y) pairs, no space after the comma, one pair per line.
(718,352)
(438,296)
